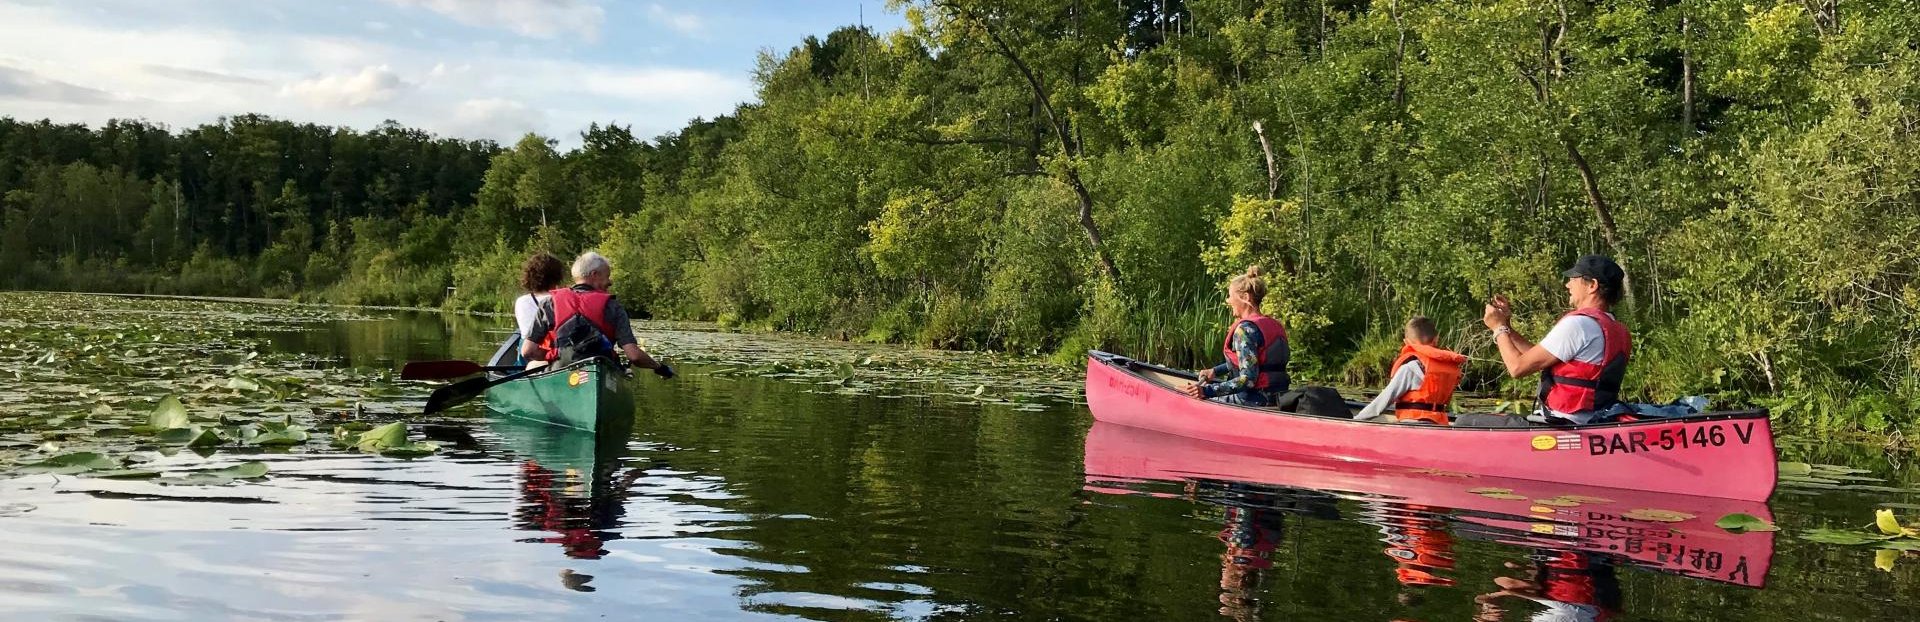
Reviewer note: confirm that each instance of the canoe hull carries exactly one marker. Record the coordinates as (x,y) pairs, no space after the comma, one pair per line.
(1118,455)
(588,395)
(1727,455)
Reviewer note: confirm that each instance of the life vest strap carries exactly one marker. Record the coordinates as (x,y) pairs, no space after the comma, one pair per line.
(1578,382)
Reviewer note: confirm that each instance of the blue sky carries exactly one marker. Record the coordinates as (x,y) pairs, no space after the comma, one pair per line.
(472,68)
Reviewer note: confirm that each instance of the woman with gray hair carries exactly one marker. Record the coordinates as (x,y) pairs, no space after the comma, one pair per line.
(584,321)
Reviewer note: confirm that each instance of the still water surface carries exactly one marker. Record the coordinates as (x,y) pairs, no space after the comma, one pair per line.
(747,492)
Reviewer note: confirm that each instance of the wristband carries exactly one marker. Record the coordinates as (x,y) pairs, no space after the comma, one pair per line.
(1502,331)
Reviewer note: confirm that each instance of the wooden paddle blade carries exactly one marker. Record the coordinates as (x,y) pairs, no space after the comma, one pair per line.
(456,394)
(439,370)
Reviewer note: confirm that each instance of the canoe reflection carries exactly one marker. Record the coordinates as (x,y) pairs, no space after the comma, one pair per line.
(1578,533)
(572,486)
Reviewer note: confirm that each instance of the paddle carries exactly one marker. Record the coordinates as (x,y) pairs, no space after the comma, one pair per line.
(459,392)
(447,370)
(1181,373)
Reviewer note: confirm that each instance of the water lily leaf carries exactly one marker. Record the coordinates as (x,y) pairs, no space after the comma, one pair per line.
(125,474)
(1884,519)
(71,463)
(411,450)
(979,390)
(1657,515)
(1845,537)
(1740,522)
(168,414)
(1883,559)
(1789,469)
(195,479)
(1584,499)
(1490,490)
(244,470)
(388,436)
(1558,502)
(242,384)
(102,410)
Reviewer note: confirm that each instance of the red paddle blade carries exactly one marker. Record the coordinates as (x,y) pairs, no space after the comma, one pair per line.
(439,370)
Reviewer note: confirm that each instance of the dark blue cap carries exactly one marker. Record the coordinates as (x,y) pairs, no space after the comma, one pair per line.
(1599,268)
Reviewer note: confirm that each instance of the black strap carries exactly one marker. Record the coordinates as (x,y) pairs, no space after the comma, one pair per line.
(1268,368)
(1439,408)
(1583,383)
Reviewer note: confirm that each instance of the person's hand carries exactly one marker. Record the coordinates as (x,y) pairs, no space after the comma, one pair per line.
(1193,390)
(1498,313)
(1205,375)
(663,371)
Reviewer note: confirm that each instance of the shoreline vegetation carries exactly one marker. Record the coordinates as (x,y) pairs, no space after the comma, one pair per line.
(1043,178)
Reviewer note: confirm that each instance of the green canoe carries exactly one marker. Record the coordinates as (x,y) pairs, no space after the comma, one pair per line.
(586,395)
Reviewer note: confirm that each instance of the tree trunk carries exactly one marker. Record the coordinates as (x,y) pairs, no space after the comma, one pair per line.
(1273,172)
(1604,214)
(1686,74)
(1069,150)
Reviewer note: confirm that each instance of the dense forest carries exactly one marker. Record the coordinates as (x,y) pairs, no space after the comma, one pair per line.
(1045,176)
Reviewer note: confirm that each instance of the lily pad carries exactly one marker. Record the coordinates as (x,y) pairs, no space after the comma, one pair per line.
(1657,515)
(1740,522)
(168,414)
(125,474)
(1788,469)
(1884,519)
(1558,502)
(381,438)
(244,470)
(1490,490)
(1844,537)
(71,463)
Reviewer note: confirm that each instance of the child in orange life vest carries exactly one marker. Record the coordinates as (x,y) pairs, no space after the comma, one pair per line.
(1424,376)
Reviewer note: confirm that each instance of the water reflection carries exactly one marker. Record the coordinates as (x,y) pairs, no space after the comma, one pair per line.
(572,486)
(1577,535)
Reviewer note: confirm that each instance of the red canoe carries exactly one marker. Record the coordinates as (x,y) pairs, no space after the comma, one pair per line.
(1727,454)
(1594,521)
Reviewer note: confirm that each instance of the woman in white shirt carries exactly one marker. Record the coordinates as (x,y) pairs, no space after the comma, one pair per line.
(540,274)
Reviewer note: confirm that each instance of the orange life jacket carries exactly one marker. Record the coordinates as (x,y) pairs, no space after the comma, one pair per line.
(1441,375)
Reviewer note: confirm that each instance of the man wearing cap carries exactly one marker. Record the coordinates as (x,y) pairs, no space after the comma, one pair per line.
(1581,361)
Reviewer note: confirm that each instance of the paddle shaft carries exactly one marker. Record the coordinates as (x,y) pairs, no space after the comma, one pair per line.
(1181,373)
(459,392)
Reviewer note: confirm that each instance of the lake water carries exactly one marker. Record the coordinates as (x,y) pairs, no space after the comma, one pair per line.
(783,477)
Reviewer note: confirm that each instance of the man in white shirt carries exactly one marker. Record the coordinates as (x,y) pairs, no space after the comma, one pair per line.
(1581,361)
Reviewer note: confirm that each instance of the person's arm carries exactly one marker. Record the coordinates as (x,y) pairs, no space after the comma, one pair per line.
(629,343)
(1406,379)
(1246,346)
(1521,357)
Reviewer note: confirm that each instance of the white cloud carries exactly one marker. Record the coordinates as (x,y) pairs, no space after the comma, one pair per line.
(20,84)
(544,19)
(685,23)
(372,85)
(500,119)
(70,64)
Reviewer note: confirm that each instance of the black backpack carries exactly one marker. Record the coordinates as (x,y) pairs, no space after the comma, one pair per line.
(1316,401)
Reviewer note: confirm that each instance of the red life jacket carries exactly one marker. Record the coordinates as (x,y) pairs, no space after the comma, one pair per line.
(1577,386)
(569,303)
(1440,375)
(1273,354)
